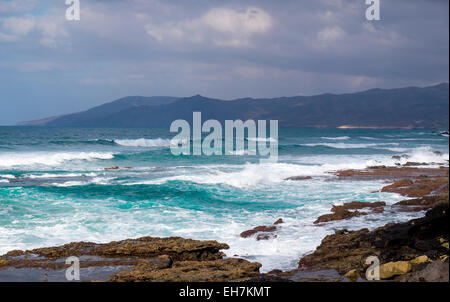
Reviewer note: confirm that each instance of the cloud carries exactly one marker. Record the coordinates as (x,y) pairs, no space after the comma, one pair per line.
(17,6)
(8,38)
(18,26)
(52,30)
(219,26)
(49,29)
(260,48)
(12,29)
(249,21)
(330,34)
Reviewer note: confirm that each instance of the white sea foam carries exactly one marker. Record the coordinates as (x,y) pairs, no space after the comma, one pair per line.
(296,236)
(350,146)
(54,175)
(148,143)
(426,155)
(398,149)
(262,139)
(257,175)
(75,183)
(10,160)
(419,139)
(338,138)
(70,184)
(254,175)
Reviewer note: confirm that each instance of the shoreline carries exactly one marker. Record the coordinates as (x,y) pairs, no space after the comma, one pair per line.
(179,259)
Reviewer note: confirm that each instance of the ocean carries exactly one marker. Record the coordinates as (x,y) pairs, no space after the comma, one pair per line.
(54,188)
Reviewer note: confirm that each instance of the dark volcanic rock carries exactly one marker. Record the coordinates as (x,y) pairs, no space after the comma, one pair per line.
(176,247)
(419,187)
(437,271)
(263,232)
(346,250)
(393,173)
(357,205)
(342,212)
(425,202)
(265,236)
(193,271)
(299,178)
(258,229)
(339,214)
(142,259)
(279,221)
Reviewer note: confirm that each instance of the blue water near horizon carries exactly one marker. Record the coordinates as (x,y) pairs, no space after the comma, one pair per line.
(54,188)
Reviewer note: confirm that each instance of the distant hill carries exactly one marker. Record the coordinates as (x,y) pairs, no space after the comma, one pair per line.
(410,107)
(103,110)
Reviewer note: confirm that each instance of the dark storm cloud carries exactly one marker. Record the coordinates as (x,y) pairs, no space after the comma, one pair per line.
(225,49)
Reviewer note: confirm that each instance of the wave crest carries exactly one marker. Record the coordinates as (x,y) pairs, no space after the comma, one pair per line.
(148,143)
(10,160)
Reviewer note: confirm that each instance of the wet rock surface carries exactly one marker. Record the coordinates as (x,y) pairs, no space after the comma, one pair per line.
(437,271)
(347,250)
(418,187)
(421,204)
(142,259)
(263,232)
(299,178)
(343,211)
(192,271)
(383,172)
(176,247)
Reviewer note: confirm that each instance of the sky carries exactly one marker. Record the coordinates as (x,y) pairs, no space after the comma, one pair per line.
(224,49)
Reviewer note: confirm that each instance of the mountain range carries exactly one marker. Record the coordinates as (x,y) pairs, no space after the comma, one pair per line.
(410,107)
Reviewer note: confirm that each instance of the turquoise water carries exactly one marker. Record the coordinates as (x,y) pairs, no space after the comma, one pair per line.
(54,188)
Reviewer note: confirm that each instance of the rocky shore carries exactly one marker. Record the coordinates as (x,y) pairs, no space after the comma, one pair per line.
(142,259)
(416,250)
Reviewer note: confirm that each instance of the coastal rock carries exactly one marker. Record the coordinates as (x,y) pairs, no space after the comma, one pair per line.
(258,229)
(352,275)
(393,173)
(378,210)
(346,250)
(412,164)
(419,260)
(418,188)
(299,178)
(342,251)
(425,202)
(139,273)
(263,232)
(436,271)
(390,269)
(265,236)
(176,247)
(100,261)
(342,212)
(398,184)
(339,214)
(398,157)
(193,271)
(357,205)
